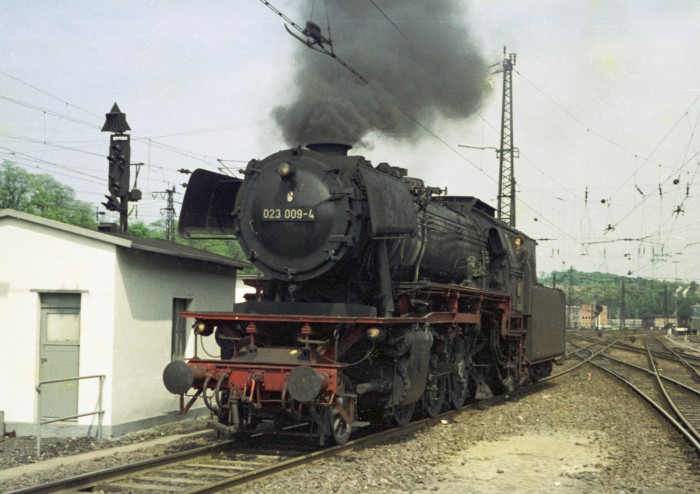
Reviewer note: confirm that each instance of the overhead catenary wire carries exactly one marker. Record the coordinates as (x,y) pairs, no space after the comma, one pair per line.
(391,22)
(674,171)
(317,44)
(607,139)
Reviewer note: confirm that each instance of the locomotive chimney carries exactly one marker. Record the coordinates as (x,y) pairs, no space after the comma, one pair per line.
(330,148)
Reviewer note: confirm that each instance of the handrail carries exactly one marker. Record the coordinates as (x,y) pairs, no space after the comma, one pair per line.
(99,412)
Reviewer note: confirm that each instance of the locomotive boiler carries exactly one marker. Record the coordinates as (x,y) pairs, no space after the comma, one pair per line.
(381,298)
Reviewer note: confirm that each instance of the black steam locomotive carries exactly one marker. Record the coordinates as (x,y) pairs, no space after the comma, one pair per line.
(382,297)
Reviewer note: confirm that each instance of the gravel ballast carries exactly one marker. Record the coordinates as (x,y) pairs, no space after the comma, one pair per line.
(582,433)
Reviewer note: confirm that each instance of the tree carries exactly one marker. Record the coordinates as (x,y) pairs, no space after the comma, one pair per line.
(156,229)
(140,229)
(643,297)
(42,195)
(15,187)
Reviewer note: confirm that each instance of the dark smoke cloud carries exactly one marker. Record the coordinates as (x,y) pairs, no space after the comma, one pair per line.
(429,70)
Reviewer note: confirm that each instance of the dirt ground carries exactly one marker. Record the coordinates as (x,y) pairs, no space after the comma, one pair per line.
(532,463)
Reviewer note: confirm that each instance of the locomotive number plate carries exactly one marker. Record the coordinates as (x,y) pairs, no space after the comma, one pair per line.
(288,214)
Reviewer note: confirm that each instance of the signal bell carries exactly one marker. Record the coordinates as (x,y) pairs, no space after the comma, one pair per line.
(116,121)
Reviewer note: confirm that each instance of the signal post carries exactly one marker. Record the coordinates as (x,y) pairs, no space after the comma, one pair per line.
(119,167)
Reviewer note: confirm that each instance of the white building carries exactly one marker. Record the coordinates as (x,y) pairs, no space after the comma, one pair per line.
(76,302)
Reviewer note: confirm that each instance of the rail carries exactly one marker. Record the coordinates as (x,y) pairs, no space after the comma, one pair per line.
(99,412)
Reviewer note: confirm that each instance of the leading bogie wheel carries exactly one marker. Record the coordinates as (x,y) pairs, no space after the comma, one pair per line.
(339,429)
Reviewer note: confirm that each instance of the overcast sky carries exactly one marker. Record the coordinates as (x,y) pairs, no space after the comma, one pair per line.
(605,102)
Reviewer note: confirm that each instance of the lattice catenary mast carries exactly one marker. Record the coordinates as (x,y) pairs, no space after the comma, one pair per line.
(170,216)
(507,153)
(168,211)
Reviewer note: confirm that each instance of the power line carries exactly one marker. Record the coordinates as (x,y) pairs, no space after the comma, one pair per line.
(47,93)
(446,144)
(573,117)
(45,143)
(99,181)
(140,138)
(61,116)
(392,22)
(214,129)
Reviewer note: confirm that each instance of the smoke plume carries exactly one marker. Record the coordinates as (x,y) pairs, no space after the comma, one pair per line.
(422,67)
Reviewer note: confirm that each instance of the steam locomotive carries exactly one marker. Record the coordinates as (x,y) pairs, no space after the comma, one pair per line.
(381,298)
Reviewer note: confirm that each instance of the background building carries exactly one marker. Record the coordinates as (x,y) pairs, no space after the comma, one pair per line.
(587,316)
(658,322)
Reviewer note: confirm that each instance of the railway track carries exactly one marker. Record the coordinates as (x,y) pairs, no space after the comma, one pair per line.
(200,470)
(225,465)
(688,362)
(659,374)
(170,473)
(230,463)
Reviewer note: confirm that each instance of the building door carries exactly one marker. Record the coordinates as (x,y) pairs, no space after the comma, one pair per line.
(179,329)
(59,353)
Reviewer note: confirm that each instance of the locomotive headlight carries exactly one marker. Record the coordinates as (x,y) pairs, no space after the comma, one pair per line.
(286,170)
(375,334)
(202,328)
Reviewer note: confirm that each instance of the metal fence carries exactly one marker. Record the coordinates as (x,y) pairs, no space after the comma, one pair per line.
(99,412)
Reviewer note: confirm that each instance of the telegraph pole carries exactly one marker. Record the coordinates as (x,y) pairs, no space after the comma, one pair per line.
(570,298)
(119,167)
(622,303)
(507,153)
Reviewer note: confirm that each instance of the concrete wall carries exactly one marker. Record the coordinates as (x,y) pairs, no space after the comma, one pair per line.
(36,259)
(146,287)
